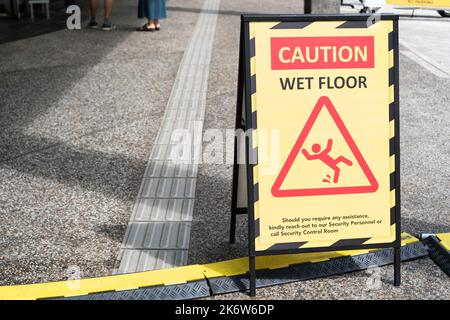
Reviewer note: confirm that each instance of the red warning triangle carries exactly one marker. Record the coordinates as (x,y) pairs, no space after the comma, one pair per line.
(371,187)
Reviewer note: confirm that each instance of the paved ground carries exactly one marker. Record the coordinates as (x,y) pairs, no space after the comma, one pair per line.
(158,233)
(425,128)
(213,200)
(79,114)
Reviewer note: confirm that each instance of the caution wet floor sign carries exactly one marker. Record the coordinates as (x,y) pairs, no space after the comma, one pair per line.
(321,99)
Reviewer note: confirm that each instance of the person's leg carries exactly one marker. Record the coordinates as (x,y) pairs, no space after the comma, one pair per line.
(151,24)
(108,8)
(93,6)
(107,24)
(161,13)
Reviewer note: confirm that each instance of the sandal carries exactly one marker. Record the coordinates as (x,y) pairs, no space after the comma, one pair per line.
(158,27)
(145,27)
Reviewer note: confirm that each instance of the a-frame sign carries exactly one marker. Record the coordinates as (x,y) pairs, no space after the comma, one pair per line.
(317,161)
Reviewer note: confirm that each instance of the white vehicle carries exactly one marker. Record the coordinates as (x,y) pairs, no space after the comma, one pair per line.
(441,6)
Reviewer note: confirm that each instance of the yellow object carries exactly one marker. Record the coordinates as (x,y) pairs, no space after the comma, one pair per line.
(101,284)
(445,240)
(166,276)
(322,100)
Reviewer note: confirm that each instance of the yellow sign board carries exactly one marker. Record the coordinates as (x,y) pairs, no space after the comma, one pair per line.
(435,4)
(321,102)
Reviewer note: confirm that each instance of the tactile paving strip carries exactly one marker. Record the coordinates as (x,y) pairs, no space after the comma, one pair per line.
(158,232)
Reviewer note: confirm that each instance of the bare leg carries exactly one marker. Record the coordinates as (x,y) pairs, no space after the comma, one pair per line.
(157,23)
(108,8)
(93,6)
(151,24)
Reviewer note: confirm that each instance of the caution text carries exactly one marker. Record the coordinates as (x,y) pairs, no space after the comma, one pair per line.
(291,53)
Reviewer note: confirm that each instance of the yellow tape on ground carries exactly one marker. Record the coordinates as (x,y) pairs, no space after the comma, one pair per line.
(240,266)
(407,239)
(445,240)
(102,284)
(168,276)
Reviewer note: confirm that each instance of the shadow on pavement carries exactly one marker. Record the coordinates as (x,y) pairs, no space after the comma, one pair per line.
(39,82)
(198,10)
(70,165)
(14,29)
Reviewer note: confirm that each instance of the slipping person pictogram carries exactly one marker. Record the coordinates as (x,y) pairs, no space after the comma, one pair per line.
(325,157)
(303,188)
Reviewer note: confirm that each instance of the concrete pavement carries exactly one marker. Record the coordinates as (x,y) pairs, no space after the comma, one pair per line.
(81,111)
(158,233)
(425,176)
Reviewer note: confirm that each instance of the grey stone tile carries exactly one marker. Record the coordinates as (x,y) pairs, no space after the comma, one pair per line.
(164,188)
(178,124)
(129,262)
(184,233)
(158,235)
(153,235)
(159,152)
(164,136)
(147,260)
(143,209)
(171,114)
(196,153)
(168,126)
(181,170)
(175,236)
(149,187)
(178,188)
(174,210)
(192,170)
(168,170)
(181,258)
(154,169)
(188,210)
(183,112)
(166,259)
(190,188)
(160,208)
(135,235)
(170,236)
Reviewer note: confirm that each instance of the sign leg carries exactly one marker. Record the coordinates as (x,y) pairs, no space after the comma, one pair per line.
(252,275)
(396,266)
(238,123)
(233,226)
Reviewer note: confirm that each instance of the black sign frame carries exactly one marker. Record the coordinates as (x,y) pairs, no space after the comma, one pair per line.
(243,105)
